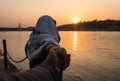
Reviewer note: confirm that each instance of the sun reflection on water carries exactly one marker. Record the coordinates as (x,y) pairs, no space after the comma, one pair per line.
(75,41)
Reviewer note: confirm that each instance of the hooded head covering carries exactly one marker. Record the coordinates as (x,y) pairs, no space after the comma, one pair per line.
(44,33)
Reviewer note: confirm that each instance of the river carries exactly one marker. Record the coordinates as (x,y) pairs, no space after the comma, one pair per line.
(95,56)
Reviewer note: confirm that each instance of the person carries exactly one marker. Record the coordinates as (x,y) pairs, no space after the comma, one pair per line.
(56,61)
(45,33)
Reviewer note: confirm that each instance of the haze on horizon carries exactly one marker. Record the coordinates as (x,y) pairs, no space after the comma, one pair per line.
(63,11)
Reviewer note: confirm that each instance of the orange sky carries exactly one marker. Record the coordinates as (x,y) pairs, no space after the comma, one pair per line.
(28,11)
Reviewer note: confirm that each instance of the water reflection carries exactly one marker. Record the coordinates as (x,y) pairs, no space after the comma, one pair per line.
(75,40)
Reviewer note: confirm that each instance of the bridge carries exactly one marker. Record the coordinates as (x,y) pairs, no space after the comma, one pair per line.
(19,25)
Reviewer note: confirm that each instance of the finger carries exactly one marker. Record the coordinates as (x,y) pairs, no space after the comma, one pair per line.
(64,57)
(61,52)
(59,55)
(67,61)
(68,57)
(67,64)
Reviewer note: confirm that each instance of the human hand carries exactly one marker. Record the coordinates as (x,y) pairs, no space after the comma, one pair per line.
(59,57)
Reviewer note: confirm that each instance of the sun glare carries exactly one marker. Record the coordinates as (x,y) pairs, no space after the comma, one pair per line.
(75,20)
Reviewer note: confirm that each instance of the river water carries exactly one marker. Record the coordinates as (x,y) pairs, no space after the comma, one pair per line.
(95,56)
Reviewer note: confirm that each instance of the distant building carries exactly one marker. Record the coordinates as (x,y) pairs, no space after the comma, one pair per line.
(19,25)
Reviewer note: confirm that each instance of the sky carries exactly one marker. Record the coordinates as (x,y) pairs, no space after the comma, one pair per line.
(27,12)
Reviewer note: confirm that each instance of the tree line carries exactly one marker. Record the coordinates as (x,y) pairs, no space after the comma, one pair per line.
(95,25)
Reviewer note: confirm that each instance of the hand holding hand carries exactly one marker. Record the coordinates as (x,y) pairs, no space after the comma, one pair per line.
(59,57)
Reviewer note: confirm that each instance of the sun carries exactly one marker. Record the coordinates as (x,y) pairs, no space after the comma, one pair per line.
(75,20)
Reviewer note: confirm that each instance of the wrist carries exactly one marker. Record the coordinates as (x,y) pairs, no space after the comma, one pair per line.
(52,69)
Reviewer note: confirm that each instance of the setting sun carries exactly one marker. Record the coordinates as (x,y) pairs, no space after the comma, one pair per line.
(75,20)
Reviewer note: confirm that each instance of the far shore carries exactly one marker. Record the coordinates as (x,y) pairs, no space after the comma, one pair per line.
(32,28)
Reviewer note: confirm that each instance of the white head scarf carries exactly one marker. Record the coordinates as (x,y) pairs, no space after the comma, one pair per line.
(44,33)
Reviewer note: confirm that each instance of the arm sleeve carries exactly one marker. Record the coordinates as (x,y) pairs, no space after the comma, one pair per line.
(42,72)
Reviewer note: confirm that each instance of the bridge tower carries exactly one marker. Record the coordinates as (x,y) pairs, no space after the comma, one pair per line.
(19,25)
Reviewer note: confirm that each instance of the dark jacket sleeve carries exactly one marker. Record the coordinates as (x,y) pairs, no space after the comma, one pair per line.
(42,72)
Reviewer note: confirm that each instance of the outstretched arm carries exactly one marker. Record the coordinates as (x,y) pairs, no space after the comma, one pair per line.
(56,61)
